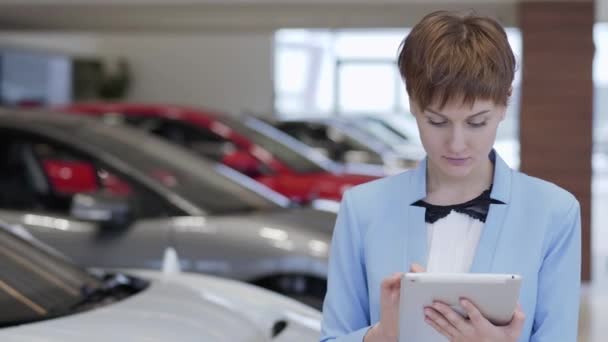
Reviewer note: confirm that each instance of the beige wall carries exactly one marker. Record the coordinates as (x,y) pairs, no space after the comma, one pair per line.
(227,71)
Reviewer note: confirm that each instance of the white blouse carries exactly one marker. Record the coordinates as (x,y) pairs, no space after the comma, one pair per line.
(452,242)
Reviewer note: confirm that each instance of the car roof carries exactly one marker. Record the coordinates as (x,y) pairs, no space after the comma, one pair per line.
(19,116)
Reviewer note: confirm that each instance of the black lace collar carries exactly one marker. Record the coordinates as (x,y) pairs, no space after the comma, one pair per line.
(476,208)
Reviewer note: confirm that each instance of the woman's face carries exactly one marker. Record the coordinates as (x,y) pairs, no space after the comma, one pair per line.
(458,138)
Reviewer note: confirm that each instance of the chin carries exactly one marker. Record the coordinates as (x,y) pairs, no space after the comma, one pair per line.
(457,172)
(460,171)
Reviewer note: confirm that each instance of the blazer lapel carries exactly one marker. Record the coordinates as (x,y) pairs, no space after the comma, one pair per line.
(501,190)
(416,235)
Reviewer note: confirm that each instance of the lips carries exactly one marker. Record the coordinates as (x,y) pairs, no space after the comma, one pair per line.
(457,161)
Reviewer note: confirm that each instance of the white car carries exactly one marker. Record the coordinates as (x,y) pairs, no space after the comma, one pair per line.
(46,298)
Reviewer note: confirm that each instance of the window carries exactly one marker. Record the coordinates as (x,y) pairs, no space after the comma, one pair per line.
(210,187)
(284,148)
(344,71)
(199,140)
(39,174)
(42,287)
(331,141)
(368,86)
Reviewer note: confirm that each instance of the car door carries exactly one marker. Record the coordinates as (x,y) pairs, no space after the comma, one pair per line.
(39,178)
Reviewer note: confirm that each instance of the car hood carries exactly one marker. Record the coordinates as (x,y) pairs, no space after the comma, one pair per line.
(306,222)
(182,307)
(262,307)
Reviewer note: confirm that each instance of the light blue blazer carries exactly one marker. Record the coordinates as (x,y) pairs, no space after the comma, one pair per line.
(536,234)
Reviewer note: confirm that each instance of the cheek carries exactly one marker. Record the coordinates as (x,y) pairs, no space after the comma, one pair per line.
(489,134)
(432,141)
(484,139)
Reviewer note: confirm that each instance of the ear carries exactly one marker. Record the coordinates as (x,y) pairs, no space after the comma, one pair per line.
(510,91)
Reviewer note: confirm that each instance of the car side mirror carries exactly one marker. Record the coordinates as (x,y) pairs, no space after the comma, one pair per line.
(106,210)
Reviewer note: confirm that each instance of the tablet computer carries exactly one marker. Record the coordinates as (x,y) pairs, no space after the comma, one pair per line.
(495,295)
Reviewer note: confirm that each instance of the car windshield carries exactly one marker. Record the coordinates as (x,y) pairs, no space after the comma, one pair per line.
(212,187)
(381,132)
(296,155)
(401,125)
(36,283)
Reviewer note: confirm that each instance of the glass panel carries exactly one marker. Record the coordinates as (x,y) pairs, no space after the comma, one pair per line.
(366,88)
(370,44)
(292,69)
(36,284)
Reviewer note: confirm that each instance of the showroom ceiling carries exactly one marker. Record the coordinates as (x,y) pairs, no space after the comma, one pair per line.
(226,15)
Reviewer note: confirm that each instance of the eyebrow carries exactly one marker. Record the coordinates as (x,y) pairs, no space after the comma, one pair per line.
(469,117)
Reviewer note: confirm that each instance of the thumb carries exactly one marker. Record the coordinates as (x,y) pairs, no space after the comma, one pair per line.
(416,268)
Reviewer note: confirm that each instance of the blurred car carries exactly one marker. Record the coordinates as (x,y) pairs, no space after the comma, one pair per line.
(405,127)
(131,195)
(44,297)
(246,144)
(398,131)
(348,140)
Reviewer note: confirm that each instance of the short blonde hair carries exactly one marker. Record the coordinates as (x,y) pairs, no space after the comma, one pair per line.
(454,56)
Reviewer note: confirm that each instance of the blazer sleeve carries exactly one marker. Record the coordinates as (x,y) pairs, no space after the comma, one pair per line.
(346,305)
(557,310)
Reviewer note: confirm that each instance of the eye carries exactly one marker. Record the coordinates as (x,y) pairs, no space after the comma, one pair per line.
(477,124)
(437,123)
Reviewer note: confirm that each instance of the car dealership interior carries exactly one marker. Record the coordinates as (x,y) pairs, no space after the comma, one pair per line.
(174,169)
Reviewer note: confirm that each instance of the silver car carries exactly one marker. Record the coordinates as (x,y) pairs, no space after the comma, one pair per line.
(46,298)
(115,197)
(354,142)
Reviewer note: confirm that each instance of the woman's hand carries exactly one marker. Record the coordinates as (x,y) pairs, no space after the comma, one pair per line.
(475,329)
(387,330)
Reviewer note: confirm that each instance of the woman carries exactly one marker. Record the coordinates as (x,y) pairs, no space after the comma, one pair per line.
(461,210)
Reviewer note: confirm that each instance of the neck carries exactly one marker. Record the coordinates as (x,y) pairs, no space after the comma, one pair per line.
(442,189)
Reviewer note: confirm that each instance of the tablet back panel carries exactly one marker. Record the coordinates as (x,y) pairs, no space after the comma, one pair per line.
(495,295)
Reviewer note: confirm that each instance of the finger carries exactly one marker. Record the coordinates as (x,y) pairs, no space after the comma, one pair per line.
(452,316)
(475,316)
(416,268)
(517,323)
(393,281)
(440,320)
(435,326)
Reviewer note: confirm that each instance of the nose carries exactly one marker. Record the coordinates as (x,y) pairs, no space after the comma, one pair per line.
(457,142)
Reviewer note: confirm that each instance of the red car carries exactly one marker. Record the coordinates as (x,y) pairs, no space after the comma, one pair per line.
(246,144)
